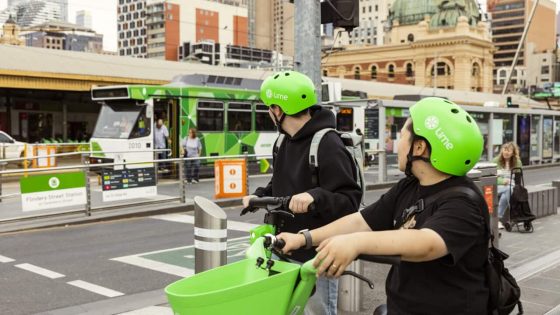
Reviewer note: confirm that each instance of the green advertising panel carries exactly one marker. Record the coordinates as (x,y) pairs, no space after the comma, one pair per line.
(49,182)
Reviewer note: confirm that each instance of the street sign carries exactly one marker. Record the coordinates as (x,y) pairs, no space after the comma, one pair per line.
(230,178)
(129,183)
(42,192)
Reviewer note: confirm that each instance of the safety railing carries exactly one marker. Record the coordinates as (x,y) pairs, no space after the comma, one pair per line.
(171,186)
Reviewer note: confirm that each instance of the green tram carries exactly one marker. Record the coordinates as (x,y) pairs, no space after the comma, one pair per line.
(226,111)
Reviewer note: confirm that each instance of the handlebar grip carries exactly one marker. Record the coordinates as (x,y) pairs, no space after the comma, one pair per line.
(279,243)
(382,259)
(263,201)
(311,207)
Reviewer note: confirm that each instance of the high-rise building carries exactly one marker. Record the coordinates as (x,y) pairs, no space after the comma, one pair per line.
(508,21)
(83,18)
(271,25)
(62,5)
(131,28)
(33,12)
(164,25)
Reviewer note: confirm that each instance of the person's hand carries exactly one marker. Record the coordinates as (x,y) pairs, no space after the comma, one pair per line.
(506,181)
(300,202)
(334,255)
(293,241)
(246,200)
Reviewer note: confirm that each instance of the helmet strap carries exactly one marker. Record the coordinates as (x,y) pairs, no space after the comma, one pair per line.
(279,122)
(411,158)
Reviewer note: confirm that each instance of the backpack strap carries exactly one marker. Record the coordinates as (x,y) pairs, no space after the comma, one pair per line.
(314,154)
(277,146)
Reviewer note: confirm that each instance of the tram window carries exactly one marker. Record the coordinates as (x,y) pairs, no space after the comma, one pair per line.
(345,119)
(239,117)
(142,126)
(210,116)
(263,122)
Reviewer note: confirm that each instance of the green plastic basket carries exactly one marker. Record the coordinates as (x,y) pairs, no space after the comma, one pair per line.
(237,288)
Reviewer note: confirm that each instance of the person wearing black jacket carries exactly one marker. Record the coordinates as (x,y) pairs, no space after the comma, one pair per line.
(291,98)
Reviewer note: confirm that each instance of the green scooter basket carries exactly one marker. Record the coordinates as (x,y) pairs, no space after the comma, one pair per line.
(237,288)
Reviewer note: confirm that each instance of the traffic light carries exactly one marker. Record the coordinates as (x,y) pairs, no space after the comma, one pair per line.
(342,13)
(508,101)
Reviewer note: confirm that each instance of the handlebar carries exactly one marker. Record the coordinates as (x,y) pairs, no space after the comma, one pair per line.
(272,204)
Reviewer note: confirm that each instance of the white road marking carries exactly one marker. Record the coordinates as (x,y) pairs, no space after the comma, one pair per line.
(4,259)
(40,271)
(136,260)
(95,288)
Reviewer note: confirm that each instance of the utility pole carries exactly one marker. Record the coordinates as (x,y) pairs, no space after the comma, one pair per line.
(521,41)
(308,41)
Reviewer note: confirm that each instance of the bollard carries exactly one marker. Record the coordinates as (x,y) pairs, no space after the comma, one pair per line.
(350,290)
(210,235)
(487,182)
(556,184)
(382,165)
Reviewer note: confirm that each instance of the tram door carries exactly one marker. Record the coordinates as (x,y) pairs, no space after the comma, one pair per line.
(168,111)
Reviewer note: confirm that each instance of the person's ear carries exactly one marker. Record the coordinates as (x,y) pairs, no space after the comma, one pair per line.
(420,148)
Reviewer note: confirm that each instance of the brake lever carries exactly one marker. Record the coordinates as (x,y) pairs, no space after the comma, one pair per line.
(248,209)
(282,212)
(359,276)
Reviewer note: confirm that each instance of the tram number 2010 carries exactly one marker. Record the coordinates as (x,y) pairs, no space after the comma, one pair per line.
(134,145)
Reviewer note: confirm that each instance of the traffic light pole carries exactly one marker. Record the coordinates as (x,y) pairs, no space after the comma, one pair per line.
(308,41)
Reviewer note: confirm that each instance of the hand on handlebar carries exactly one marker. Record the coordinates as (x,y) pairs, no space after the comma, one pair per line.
(300,202)
(334,255)
(246,200)
(293,241)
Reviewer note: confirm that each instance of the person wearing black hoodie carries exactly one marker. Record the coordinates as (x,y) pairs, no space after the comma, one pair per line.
(292,106)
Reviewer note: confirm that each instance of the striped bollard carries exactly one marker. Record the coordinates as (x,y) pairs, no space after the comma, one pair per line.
(210,235)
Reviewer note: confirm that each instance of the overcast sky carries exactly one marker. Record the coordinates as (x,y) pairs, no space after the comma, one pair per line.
(104,16)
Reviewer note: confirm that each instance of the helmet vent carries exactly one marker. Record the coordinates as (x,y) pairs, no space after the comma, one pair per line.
(287,74)
(467,162)
(455,111)
(276,76)
(469,119)
(304,96)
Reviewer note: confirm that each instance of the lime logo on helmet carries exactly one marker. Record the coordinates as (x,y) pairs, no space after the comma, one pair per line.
(444,139)
(431,122)
(271,94)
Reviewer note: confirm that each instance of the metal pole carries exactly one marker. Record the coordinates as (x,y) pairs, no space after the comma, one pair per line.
(182,186)
(525,31)
(2,167)
(308,41)
(350,290)
(65,122)
(210,235)
(85,162)
(382,172)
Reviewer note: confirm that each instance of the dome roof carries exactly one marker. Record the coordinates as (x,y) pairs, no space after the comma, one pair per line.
(10,20)
(442,12)
(449,12)
(409,12)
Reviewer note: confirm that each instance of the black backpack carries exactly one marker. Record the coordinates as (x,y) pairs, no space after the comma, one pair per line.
(504,291)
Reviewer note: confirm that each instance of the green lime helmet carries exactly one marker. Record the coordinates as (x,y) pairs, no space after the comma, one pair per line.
(291,90)
(454,137)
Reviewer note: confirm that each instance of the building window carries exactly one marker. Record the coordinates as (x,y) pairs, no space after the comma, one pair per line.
(325,73)
(442,69)
(391,71)
(357,73)
(475,70)
(374,72)
(545,70)
(409,71)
